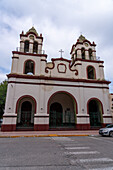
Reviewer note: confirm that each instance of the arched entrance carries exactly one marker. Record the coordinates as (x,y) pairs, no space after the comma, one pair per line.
(56,114)
(25,108)
(26,111)
(62,109)
(95,113)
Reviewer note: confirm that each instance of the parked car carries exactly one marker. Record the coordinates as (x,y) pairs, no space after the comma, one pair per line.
(1,120)
(107,131)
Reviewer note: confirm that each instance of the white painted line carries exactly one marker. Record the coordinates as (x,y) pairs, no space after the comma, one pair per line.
(108,168)
(95,138)
(78,153)
(92,160)
(61,139)
(102,139)
(73,145)
(77,148)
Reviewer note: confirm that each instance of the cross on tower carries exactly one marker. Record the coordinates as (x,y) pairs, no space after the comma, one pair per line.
(61,51)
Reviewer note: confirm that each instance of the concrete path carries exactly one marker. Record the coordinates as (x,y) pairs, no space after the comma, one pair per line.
(48,133)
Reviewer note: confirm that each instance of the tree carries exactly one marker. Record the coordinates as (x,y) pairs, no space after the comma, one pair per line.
(3,90)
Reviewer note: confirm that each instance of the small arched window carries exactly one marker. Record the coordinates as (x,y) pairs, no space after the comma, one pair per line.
(83,53)
(26,46)
(91,72)
(35,47)
(90,54)
(29,67)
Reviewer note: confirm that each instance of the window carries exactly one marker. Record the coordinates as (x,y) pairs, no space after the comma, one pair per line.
(91,72)
(26,46)
(90,54)
(75,54)
(83,53)
(29,67)
(112,99)
(35,47)
(72,58)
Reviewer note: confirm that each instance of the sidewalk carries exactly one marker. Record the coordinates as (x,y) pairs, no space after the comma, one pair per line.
(48,133)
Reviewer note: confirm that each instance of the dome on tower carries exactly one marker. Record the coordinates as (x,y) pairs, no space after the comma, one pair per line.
(32,30)
(81,38)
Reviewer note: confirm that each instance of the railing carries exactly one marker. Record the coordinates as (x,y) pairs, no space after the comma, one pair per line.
(93,58)
(97,58)
(58,119)
(30,50)
(95,119)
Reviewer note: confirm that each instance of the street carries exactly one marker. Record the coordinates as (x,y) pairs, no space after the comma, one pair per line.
(56,153)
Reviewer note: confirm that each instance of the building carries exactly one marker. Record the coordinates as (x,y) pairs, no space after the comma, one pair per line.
(111,104)
(61,94)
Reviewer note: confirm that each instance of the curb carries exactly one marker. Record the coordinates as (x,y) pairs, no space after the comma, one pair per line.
(51,135)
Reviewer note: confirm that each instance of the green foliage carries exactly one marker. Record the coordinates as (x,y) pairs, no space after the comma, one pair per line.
(3,90)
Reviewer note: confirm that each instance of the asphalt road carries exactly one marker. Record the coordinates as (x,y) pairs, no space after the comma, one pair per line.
(56,153)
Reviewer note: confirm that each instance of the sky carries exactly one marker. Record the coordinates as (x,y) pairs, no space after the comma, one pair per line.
(61,22)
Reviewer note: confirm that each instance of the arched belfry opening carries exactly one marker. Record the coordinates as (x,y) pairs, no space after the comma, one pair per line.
(62,111)
(35,47)
(90,54)
(83,53)
(95,113)
(26,46)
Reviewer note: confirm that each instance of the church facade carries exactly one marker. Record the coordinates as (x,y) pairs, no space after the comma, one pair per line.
(57,95)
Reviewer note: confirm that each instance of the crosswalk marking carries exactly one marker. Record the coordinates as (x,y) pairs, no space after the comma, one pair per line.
(95,138)
(62,139)
(108,168)
(92,160)
(74,148)
(70,148)
(78,153)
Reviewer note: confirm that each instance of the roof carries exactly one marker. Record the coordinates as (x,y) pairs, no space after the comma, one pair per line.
(81,38)
(32,30)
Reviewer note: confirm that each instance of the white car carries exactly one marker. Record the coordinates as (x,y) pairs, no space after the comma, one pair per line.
(107,131)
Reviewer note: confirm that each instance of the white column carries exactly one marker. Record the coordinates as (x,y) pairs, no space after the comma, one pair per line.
(79,53)
(87,55)
(21,46)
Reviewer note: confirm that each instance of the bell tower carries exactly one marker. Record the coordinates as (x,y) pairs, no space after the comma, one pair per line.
(83,56)
(27,58)
(83,49)
(31,42)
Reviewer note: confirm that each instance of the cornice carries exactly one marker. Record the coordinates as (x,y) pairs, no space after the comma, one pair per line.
(23,76)
(30,54)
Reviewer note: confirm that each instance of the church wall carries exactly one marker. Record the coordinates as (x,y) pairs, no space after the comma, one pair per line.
(21,64)
(82,70)
(43,93)
(61,75)
(61,68)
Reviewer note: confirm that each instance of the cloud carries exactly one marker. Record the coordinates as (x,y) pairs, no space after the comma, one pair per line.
(60,22)
(2,77)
